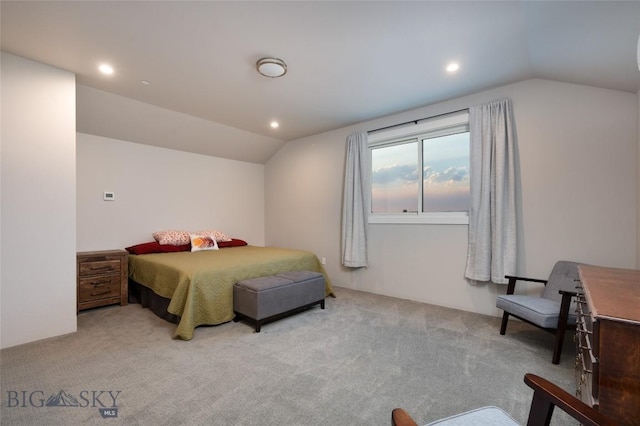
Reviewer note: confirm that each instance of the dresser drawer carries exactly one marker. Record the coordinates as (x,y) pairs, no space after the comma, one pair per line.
(586,361)
(99,267)
(99,287)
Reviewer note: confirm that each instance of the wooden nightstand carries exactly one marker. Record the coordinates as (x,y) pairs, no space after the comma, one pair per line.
(102,278)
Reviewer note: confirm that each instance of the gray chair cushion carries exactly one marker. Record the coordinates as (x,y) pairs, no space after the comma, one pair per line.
(485,416)
(563,277)
(542,312)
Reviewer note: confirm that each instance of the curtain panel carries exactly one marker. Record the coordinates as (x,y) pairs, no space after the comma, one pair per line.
(355,206)
(492,245)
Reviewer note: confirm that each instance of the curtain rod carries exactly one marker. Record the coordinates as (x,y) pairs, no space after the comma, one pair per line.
(416,121)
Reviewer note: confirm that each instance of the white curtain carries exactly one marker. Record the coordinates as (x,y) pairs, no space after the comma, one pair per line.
(492,214)
(355,206)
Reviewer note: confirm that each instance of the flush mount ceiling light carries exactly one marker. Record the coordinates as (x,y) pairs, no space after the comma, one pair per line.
(271,67)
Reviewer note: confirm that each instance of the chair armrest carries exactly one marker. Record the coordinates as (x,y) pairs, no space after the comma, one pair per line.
(546,395)
(535,280)
(512,282)
(399,417)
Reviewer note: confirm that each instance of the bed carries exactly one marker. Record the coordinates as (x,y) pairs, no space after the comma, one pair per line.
(196,288)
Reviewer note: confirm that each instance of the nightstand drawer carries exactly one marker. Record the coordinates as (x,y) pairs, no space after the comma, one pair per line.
(101,287)
(99,267)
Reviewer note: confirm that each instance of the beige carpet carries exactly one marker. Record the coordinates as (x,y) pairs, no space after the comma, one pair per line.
(349,364)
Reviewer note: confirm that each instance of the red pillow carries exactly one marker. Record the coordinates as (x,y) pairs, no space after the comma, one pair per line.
(155,247)
(233,243)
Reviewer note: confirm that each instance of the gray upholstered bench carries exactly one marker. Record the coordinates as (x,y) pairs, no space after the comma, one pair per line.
(264,299)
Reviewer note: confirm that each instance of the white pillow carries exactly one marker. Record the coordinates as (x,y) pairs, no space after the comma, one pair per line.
(203,242)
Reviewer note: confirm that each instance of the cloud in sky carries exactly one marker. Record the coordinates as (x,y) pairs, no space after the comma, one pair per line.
(396,189)
(397,173)
(450,175)
(406,173)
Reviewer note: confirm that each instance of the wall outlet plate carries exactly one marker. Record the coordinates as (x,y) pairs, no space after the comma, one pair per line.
(109,196)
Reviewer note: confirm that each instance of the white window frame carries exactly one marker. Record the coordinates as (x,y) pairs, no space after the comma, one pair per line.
(457,122)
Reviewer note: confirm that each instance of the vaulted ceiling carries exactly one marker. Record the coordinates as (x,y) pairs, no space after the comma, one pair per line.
(348,62)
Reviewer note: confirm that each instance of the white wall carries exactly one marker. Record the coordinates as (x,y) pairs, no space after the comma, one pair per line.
(638,205)
(158,188)
(38,282)
(577,152)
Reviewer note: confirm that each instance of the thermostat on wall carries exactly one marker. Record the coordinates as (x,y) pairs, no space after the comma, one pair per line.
(109,196)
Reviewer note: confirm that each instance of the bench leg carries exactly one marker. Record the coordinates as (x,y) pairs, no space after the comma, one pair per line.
(258,325)
(322,304)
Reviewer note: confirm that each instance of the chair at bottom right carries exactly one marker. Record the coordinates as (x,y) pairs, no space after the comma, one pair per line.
(546,396)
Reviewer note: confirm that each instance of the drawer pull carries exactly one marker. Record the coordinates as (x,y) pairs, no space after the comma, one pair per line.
(101,293)
(101,283)
(584,330)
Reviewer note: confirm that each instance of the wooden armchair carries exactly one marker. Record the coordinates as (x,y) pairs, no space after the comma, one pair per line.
(546,396)
(552,311)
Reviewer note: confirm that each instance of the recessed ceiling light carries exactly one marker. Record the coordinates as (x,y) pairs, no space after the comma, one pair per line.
(453,67)
(274,124)
(106,69)
(145,82)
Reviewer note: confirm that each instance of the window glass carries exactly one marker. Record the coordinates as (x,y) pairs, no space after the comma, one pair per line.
(394,178)
(445,165)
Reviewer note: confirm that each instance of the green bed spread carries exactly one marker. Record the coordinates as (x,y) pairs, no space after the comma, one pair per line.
(200,284)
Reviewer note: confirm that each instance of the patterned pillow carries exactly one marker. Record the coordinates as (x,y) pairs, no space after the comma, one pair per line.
(203,242)
(175,238)
(218,235)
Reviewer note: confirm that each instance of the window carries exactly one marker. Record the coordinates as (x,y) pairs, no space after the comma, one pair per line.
(420,173)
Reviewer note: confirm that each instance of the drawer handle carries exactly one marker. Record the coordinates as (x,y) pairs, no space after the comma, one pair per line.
(100,293)
(101,283)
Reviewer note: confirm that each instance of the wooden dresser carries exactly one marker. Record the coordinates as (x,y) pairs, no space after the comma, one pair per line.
(608,342)
(101,278)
